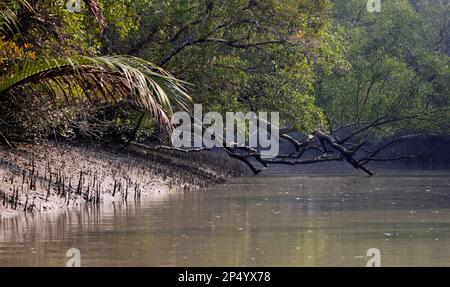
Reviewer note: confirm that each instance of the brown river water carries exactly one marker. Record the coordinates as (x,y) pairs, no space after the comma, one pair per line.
(307,220)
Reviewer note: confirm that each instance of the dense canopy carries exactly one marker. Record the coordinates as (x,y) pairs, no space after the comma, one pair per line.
(120,68)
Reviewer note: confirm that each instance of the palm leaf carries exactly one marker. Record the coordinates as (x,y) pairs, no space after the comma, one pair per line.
(8,16)
(94,6)
(107,79)
(10,23)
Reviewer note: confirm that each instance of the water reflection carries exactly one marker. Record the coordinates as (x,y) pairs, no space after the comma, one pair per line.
(259,221)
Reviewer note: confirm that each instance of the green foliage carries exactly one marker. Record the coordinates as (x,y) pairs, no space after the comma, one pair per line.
(111,79)
(395,70)
(318,64)
(54,80)
(239,55)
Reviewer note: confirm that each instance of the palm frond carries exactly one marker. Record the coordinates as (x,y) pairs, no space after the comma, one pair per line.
(94,6)
(9,21)
(8,15)
(106,79)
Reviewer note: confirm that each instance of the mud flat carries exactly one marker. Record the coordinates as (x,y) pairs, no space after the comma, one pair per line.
(46,176)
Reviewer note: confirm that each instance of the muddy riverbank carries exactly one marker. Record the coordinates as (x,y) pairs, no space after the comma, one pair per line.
(48,176)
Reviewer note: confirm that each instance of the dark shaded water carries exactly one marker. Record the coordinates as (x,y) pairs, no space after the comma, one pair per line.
(259,221)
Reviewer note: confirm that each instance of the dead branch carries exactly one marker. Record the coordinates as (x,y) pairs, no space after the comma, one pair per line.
(319,147)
